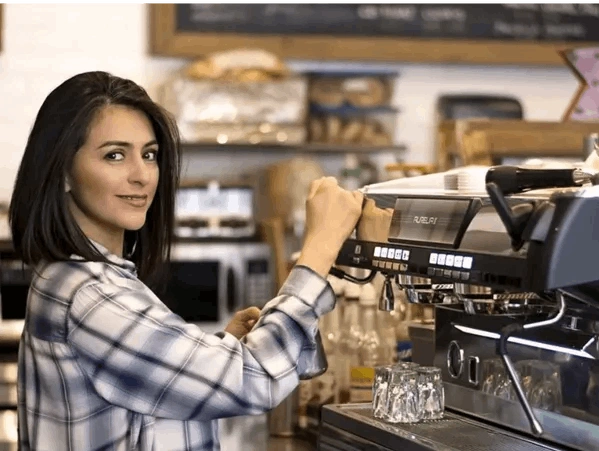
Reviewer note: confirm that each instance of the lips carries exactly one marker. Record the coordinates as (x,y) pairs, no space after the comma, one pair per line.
(134,196)
(136,200)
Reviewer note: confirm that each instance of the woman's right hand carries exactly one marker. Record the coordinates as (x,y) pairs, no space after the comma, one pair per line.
(331,216)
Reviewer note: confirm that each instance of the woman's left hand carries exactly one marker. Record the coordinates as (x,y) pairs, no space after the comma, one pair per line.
(242,322)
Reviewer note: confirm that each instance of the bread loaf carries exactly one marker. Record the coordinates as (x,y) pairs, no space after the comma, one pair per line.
(333,125)
(365,92)
(352,131)
(327,92)
(317,130)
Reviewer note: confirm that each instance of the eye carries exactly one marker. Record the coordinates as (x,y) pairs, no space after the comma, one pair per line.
(114,156)
(151,155)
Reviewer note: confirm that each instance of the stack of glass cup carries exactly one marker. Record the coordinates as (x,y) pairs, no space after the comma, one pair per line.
(407,393)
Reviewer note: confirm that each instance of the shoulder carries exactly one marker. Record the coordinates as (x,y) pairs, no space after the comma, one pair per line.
(110,287)
(63,280)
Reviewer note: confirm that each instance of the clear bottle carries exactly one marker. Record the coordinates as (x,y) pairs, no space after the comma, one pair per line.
(349,340)
(387,325)
(371,351)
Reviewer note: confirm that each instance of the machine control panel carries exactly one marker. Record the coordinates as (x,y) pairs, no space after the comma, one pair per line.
(445,265)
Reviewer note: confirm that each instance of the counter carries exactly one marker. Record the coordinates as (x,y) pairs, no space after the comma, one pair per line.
(250,433)
(286,444)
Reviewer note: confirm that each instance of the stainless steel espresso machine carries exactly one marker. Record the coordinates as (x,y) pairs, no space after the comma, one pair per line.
(513,270)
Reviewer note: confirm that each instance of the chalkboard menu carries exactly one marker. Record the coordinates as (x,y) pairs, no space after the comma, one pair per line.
(525,34)
(548,22)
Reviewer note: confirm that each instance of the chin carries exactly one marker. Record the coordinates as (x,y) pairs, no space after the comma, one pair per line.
(132,224)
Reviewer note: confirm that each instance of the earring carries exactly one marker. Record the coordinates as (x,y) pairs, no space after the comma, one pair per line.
(67,185)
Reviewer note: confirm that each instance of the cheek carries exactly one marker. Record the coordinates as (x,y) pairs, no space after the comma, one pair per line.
(156,178)
(93,186)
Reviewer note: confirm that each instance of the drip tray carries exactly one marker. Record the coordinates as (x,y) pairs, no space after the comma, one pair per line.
(452,433)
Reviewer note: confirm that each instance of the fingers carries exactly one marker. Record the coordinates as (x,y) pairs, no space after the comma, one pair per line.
(369,205)
(314,187)
(322,181)
(360,198)
(248,314)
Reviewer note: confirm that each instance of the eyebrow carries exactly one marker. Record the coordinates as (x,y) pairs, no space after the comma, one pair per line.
(125,144)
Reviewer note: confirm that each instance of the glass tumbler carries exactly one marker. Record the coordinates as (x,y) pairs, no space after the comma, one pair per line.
(379,391)
(402,396)
(407,365)
(431,395)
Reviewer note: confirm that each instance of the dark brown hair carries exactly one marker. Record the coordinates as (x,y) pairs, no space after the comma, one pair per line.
(42,226)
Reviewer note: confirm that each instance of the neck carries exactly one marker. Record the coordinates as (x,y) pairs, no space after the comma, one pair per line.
(109,237)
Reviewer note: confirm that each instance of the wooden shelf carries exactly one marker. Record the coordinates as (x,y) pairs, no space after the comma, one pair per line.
(304,148)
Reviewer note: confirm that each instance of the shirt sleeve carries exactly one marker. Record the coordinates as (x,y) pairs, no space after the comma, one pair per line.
(139,355)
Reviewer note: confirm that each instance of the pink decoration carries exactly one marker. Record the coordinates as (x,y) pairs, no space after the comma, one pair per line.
(585,64)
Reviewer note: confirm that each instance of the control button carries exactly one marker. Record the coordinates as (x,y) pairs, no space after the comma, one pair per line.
(388,265)
(447,273)
(391,253)
(438,272)
(433,258)
(467,263)
(441,259)
(449,260)
(395,266)
(398,253)
(430,271)
(384,252)
(405,255)
(457,261)
(464,275)
(455,275)
(403,267)
(375,263)
(358,249)
(377,251)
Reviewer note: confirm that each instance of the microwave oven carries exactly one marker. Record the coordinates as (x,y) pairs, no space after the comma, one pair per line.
(208,281)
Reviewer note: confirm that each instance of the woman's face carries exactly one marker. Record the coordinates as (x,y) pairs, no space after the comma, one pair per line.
(114,176)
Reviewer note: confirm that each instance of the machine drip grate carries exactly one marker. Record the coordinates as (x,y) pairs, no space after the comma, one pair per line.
(457,434)
(468,437)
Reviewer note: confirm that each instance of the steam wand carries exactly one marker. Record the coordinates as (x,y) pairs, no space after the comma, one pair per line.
(387,299)
(505,334)
(514,219)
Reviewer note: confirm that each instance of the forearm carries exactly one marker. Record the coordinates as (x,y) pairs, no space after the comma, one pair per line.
(318,256)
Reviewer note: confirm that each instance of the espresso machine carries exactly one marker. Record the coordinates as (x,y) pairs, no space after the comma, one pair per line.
(512,267)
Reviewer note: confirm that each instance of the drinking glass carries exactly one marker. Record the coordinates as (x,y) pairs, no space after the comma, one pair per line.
(545,391)
(379,391)
(407,365)
(402,396)
(431,395)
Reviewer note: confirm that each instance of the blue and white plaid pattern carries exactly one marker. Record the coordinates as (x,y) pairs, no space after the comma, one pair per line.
(104,365)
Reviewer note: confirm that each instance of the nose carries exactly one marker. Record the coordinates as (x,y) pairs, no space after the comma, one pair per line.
(140,171)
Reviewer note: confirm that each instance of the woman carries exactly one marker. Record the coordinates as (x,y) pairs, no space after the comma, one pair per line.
(103,364)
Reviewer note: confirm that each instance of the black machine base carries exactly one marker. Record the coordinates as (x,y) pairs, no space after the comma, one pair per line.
(352,427)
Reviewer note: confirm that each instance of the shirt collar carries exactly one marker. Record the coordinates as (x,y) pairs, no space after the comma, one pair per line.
(123,263)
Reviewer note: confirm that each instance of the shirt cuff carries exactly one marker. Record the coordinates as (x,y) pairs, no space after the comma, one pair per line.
(311,288)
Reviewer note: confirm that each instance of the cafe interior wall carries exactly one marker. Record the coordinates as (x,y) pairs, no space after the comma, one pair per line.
(44,44)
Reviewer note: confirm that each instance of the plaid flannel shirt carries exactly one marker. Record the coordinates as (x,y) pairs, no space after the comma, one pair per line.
(105,365)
